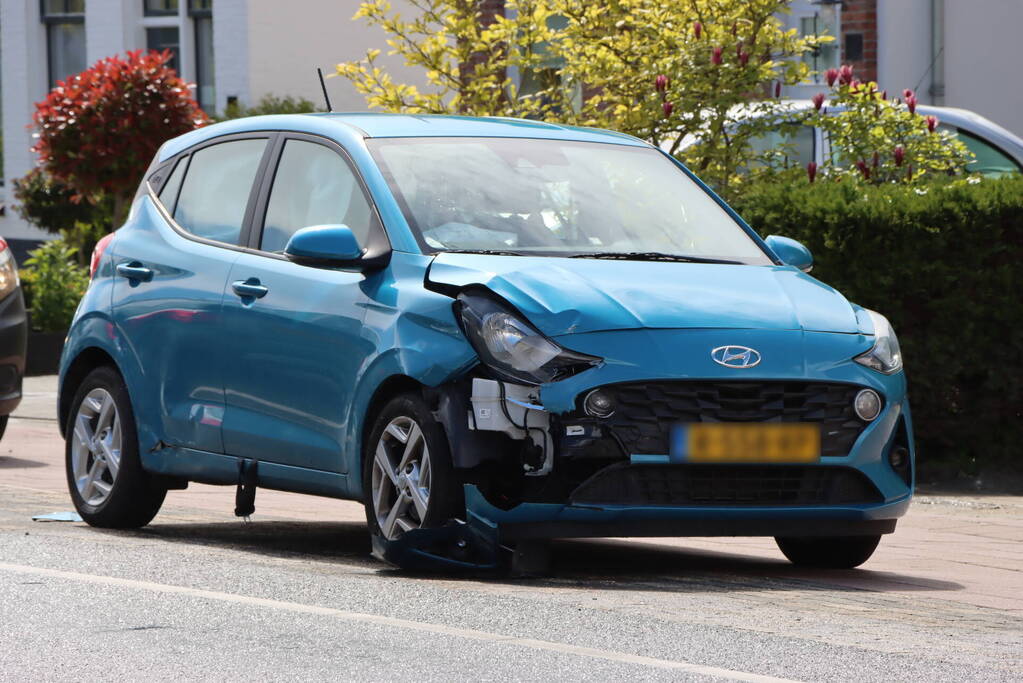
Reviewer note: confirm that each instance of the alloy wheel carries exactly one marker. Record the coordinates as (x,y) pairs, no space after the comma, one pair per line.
(96,447)
(401,478)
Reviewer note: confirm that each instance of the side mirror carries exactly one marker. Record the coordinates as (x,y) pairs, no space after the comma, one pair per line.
(324,245)
(791,252)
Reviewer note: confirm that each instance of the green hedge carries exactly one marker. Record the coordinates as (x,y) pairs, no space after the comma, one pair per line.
(945,264)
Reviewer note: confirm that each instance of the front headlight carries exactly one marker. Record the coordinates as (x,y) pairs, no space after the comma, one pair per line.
(885,356)
(513,348)
(8,270)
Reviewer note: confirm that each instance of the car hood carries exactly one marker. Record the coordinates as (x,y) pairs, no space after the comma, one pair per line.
(568,296)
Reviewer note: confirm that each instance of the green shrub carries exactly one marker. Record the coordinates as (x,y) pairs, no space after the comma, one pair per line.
(944,262)
(269,104)
(51,205)
(53,284)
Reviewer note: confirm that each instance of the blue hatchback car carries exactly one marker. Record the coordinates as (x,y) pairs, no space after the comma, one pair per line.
(490,331)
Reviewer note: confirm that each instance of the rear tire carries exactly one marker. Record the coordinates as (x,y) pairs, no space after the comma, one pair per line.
(407,477)
(839,552)
(104,474)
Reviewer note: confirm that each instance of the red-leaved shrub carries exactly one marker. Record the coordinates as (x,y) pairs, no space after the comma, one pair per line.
(99,130)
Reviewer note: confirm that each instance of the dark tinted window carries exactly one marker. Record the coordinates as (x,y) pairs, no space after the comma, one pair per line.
(313,185)
(169,192)
(988,160)
(216,189)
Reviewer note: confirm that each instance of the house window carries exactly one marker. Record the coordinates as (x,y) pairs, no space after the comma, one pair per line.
(65,38)
(201,12)
(824,57)
(160,8)
(165,38)
(853,44)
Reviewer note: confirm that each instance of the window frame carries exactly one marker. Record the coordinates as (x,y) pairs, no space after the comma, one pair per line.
(51,19)
(163,172)
(146,12)
(378,239)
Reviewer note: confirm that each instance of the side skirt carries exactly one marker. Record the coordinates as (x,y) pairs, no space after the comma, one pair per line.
(216,468)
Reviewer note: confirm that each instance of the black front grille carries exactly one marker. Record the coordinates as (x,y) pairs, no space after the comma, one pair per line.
(647,411)
(710,485)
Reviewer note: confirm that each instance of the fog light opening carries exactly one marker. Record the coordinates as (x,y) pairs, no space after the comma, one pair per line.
(599,404)
(899,457)
(867,405)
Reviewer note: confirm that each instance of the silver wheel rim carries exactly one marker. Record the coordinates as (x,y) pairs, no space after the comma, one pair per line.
(96,447)
(401,478)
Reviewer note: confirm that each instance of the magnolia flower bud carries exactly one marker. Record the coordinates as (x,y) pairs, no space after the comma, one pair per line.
(661,83)
(932,123)
(811,171)
(831,75)
(697,29)
(899,154)
(818,101)
(668,107)
(715,57)
(845,74)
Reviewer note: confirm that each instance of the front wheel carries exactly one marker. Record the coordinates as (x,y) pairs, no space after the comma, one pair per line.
(104,474)
(839,552)
(408,479)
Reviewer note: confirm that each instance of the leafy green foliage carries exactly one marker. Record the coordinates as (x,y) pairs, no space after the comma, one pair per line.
(53,206)
(667,72)
(944,262)
(53,285)
(882,140)
(269,104)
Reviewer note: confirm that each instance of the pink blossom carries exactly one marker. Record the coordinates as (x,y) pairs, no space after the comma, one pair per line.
(715,57)
(661,83)
(743,58)
(907,93)
(845,74)
(899,154)
(697,29)
(932,123)
(818,101)
(864,169)
(668,108)
(911,103)
(831,75)
(811,171)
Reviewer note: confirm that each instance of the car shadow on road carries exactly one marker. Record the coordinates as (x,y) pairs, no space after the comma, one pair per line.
(604,564)
(10,462)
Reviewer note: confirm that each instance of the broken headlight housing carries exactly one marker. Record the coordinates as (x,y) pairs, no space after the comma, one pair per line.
(511,347)
(885,356)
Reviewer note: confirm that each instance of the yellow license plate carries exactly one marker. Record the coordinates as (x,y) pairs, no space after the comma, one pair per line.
(796,442)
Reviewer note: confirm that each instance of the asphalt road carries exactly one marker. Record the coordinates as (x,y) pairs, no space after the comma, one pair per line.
(294,595)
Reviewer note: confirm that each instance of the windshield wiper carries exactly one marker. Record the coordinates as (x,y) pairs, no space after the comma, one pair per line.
(650,256)
(487,252)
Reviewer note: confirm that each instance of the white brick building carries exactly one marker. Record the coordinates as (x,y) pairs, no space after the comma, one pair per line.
(233,49)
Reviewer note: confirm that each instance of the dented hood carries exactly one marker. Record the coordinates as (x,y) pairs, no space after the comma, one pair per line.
(567,296)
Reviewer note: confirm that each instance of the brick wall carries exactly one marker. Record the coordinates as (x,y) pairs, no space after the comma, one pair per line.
(859,17)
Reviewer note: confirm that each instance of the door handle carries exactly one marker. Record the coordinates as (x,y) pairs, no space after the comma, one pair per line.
(249,288)
(135,271)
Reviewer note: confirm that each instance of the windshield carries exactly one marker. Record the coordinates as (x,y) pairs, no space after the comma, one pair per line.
(556,198)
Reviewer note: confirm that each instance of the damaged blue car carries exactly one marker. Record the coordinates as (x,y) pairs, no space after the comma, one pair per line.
(489,331)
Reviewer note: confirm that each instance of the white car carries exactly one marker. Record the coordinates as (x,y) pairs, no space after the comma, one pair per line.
(997,151)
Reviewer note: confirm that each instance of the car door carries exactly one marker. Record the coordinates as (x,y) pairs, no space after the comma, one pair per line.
(172,263)
(295,336)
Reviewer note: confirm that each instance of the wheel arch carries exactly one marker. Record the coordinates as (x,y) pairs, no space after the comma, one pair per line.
(393,386)
(87,360)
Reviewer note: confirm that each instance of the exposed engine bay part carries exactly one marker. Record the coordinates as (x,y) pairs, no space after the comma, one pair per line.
(514,409)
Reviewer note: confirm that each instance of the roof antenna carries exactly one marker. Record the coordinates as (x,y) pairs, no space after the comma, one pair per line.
(323,85)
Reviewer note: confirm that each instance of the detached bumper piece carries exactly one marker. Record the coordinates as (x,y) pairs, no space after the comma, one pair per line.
(471,546)
(733,485)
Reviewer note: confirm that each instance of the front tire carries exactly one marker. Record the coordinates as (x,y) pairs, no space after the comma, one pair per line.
(408,480)
(840,552)
(104,474)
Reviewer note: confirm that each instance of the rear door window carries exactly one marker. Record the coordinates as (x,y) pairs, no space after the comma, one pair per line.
(314,185)
(216,189)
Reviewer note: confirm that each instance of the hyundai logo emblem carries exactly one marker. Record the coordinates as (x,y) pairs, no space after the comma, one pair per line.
(736,356)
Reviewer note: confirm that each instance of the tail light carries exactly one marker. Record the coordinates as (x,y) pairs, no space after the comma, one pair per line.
(97,253)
